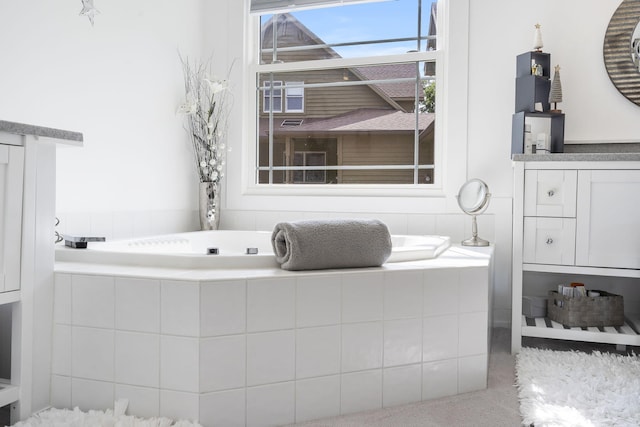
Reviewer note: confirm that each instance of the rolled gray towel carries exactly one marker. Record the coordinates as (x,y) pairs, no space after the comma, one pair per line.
(334,243)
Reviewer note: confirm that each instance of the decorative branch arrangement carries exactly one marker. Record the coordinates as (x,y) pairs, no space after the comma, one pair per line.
(206,109)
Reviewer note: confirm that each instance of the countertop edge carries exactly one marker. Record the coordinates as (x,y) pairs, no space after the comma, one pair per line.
(569,157)
(26,129)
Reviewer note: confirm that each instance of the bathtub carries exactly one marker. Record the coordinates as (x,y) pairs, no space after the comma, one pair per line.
(233,249)
(233,340)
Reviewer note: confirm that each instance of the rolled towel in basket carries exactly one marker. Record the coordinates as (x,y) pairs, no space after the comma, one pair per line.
(335,243)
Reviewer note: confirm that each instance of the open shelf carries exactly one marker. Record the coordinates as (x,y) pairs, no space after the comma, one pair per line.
(8,393)
(543,327)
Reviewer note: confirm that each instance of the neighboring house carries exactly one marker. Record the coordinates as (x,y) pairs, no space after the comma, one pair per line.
(351,125)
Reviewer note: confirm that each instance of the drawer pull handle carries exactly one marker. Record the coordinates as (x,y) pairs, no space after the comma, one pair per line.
(549,240)
(551,193)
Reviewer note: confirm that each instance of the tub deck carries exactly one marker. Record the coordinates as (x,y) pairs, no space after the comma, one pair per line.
(267,346)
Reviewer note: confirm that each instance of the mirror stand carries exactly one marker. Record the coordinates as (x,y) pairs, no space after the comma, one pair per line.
(473,199)
(474,240)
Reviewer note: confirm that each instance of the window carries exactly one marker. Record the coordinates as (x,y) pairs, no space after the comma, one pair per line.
(272,96)
(358,84)
(294,101)
(310,159)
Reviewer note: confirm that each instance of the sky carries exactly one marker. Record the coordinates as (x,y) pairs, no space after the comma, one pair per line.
(371,21)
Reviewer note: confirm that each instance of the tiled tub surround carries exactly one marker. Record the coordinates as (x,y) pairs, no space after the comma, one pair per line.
(269,347)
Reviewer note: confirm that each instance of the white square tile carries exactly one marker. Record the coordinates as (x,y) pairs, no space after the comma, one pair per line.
(270,357)
(361,391)
(474,333)
(92,301)
(317,398)
(318,300)
(472,373)
(453,226)
(222,363)
(62,299)
(137,359)
(439,379)
(223,308)
(270,304)
(474,291)
(61,352)
(179,405)
(402,385)
(402,342)
(138,305)
(180,308)
(88,394)
(317,351)
(92,353)
(123,226)
(441,292)
(421,224)
(402,294)
(178,363)
(440,338)
(362,346)
(61,392)
(362,297)
(223,408)
(271,405)
(144,402)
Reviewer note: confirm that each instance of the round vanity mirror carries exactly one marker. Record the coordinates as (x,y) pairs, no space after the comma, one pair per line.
(473,199)
(622,50)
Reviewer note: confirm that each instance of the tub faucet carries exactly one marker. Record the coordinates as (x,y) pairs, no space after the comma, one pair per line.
(80,242)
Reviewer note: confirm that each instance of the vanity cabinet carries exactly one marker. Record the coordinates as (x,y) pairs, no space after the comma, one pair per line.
(575,218)
(11,177)
(11,186)
(27,218)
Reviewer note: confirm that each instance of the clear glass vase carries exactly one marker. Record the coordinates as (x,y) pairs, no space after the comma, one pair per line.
(209,206)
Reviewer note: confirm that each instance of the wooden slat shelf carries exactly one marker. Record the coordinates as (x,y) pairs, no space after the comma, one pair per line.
(543,327)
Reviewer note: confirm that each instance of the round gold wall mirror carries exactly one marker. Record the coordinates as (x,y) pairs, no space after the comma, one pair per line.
(622,50)
(473,199)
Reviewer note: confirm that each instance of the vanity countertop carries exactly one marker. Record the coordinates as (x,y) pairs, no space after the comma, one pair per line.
(576,157)
(25,129)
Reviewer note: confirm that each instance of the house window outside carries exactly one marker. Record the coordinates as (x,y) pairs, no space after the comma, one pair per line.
(272,97)
(360,102)
(294,97)
(310,159)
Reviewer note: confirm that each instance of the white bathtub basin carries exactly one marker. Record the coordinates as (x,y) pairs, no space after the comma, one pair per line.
(190,250)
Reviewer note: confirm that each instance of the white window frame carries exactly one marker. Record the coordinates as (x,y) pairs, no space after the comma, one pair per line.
(450,151)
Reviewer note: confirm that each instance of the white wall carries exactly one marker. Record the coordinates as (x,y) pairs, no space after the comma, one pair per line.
(573,33)
(120,82)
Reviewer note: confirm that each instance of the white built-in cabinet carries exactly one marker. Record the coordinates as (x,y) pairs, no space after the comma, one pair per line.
(11,174)
(575,219)
(11,186)
(27,221)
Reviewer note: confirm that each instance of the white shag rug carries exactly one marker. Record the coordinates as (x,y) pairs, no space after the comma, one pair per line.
(560,388)
(109,418)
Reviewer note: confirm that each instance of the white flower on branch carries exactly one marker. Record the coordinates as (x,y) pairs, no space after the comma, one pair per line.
(206,110)
(216,85)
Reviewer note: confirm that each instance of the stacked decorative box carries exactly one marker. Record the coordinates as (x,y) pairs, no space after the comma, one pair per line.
(535,128)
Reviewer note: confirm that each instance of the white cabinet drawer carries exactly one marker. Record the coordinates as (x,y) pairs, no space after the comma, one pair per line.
(549,241)
(550,193)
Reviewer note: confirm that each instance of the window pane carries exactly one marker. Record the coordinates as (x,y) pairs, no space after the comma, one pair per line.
(370,29)
(359,117)
(347,125)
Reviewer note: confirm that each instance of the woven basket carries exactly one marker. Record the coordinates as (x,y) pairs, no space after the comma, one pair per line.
(605,310)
